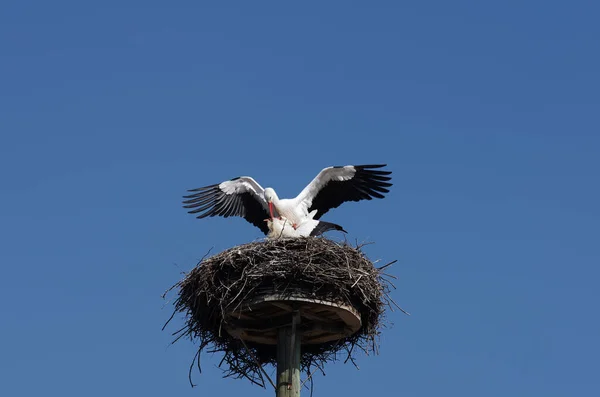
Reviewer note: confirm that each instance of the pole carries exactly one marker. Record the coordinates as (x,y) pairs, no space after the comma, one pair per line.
(288,359)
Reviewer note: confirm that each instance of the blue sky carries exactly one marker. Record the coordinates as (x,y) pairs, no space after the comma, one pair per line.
(486,113)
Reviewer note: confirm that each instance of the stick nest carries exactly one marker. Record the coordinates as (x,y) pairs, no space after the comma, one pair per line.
(315,267)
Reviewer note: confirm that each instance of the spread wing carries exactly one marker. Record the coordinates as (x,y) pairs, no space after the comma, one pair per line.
(336,185)
(241,196)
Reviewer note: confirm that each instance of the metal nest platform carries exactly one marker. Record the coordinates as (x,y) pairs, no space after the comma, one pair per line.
(326,296)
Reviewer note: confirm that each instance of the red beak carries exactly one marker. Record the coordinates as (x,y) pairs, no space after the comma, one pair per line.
(271,209)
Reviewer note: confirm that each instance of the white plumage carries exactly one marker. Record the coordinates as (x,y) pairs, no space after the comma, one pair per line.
(244,197)
(281,227)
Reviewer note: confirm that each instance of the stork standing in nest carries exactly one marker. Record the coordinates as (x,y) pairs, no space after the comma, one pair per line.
(244,197)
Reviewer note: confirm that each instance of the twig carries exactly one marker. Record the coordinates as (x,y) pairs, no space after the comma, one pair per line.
(389,264)
(259,365)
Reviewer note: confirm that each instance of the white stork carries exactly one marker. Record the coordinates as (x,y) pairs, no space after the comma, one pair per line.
(243,196)
(282,228)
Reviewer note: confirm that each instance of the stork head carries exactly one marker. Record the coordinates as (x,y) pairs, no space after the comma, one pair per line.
(276,227)
(270,196)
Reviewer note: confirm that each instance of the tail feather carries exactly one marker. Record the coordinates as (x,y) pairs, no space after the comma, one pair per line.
(323,227)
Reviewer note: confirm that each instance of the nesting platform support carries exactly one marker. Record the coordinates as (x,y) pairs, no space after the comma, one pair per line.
(290,321)
(288,359)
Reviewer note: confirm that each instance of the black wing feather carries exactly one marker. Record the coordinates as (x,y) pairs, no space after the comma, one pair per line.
(323,227)
(212,201)
(366,184)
